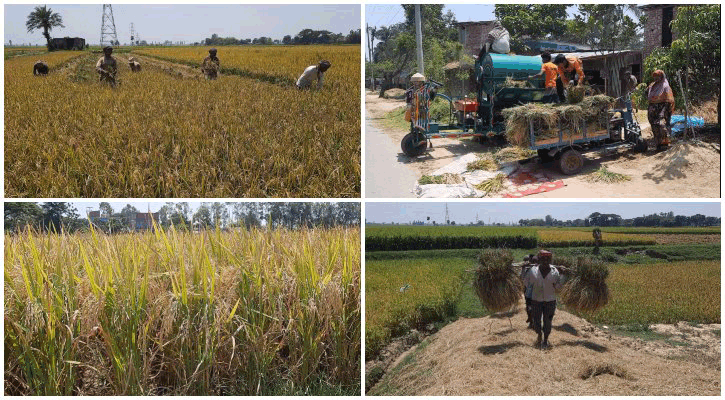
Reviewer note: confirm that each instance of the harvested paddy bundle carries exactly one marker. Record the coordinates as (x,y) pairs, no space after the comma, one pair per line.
(575,94)
(543,116)
(586,288)
(596,109)
(571,117)
(497,284)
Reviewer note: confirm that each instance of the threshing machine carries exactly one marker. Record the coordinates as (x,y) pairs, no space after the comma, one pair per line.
(482,117)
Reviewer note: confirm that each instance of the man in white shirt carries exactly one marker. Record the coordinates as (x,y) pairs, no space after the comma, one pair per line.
(545,281)
(311,73)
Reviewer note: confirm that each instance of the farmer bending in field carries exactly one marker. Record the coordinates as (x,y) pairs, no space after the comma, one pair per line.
(210,65)
(545,281)
(107,67)
(311,73)
(135,66)
(40,68)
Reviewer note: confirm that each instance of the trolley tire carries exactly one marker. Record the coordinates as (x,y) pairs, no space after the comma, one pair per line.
(571,162)
(408,145)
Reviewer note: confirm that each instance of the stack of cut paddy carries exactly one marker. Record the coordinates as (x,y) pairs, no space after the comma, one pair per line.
(546,118)
(496,282)
(586,288)
(543,116)
(575,94)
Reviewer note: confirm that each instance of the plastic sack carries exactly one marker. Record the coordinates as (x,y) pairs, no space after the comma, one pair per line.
(501,45)
(678,123)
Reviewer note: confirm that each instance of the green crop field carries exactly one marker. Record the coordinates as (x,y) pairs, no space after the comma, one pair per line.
(648,284)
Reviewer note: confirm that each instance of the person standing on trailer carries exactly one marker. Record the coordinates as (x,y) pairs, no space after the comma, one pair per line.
(549,71)
(571,73)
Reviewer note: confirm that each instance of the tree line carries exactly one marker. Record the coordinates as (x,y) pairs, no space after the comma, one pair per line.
(57,216)
(305,36)
(668,219)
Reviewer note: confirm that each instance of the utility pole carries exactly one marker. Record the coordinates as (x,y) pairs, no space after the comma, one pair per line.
(419,39)
(371,38)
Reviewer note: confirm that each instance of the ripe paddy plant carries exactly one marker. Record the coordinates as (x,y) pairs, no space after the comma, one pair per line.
(493,185)
(156,135)
(446,178)
(184,313)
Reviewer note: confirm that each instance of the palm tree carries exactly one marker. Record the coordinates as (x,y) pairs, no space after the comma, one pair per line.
(43,18)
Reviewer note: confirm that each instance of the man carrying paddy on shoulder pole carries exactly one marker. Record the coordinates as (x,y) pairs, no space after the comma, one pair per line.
(311,73)
(545,281)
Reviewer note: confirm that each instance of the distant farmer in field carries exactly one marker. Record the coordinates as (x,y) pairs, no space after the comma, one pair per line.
(545,282)
(107,67)
(661,105)
(311,73)
(40,68)
(549,71)
(630,82)
(571,73)
(210,65)
(135,66)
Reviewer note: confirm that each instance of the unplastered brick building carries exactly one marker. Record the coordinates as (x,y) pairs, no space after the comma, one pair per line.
(657,28)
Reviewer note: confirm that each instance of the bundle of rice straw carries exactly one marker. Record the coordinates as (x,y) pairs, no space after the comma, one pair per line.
(571,117)
(575,94)
(544,117)
(496,282)
(596,109)
(586,288)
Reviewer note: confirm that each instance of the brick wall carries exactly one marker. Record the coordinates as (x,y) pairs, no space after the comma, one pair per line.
(653,29)
(474,35)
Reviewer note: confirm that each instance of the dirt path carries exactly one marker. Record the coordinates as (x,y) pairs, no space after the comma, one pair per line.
(686,170)
(174,69)
(496,356)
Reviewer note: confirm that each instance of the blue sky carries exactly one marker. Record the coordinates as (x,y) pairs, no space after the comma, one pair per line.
(493,212)
(186,22)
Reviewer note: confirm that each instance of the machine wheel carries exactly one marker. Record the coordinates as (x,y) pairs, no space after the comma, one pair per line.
(544,156)
(571,162)
(641,145)
(413,144)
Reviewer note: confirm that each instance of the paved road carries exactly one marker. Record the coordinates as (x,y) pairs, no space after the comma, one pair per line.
(385,176)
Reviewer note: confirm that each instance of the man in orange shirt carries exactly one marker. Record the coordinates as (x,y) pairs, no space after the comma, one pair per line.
(549,72)
(568,67)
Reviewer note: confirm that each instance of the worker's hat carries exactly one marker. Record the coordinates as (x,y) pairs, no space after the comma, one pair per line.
(324,65)
(212,50)
(544,255)
(417,77)
(108,48)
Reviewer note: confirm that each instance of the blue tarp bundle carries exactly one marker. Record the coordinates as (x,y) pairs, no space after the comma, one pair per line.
(678,123)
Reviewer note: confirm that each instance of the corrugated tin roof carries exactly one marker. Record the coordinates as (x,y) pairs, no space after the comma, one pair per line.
(596,54)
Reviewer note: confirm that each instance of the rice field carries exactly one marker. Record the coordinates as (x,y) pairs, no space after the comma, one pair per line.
(406,294)
(181,313)
(407,237)
(662,293)
(161,134)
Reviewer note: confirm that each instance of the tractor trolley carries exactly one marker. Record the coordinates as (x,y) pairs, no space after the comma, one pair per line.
(481,118)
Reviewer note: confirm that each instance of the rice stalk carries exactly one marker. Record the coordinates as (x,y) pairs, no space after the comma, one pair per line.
(484,162)
(496,283)
(606,176)
(493,185)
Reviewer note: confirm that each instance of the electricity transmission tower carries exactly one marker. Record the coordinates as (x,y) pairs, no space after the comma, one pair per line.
(133,34)
(108,27)
(448,218)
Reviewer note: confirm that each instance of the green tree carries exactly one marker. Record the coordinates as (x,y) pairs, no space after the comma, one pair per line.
(44,18)
(700,26)
(607,26)
(19,215)
(55,215)
(540,21)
